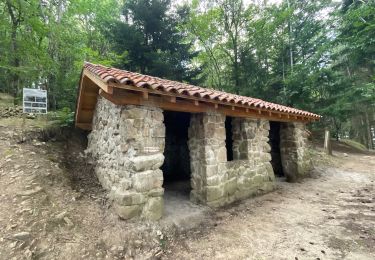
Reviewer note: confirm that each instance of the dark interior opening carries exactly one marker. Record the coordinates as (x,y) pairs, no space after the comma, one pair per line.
(274,141)
(176,167)
(229,138)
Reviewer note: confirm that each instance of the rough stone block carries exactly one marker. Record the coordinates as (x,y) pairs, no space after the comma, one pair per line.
(257,180)
(124,183)
(211,170)
(266,147)
(153,209)
(196,197)
(230,187)
(128,212)
(127,198)
(214,192)
(244,193)
(156,192)
(147,162)
(157,115)
(133,112)
(158,132)
(243,183)
(221,168)
(266,157)
(222,154)
(217,203)
(249,173)
(147,180)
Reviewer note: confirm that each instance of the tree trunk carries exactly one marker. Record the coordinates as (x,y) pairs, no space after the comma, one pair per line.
(290,41)
(235,63)
(14,77)
(15,64)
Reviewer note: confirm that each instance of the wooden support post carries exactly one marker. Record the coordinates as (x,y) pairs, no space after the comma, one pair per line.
(145,95)
(327,142)
(173,99)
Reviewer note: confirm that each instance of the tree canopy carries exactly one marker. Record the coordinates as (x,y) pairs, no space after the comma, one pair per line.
(314,55)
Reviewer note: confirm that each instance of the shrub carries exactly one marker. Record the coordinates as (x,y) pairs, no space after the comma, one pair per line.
(63,117)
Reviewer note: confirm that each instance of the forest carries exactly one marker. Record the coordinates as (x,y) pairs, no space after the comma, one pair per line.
(313,55)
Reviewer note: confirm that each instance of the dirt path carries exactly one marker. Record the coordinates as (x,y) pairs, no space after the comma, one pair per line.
(331,216)
(51,207)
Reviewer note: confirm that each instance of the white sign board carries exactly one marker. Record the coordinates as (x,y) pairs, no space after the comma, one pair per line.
(34,101)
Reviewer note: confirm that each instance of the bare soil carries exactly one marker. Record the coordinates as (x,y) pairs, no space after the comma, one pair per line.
(328,216)
(52,207)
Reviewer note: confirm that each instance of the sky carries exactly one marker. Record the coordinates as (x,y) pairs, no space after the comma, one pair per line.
(261,1)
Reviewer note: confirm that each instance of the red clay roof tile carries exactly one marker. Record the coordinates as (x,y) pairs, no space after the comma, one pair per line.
(144,81)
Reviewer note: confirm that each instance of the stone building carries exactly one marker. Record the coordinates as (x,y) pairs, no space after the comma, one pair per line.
(147,132)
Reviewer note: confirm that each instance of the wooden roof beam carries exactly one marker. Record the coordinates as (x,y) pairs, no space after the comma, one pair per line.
(145,95)
(99,82)
(152,91)
(124,97)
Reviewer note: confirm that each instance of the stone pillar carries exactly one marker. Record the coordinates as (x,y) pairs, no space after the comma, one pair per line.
(250,140)
(208,158)
(127,143)
(250,147)
(295,157)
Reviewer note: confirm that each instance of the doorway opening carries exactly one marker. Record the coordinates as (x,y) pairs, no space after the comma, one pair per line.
(177,172)
(274,141)
(176,166)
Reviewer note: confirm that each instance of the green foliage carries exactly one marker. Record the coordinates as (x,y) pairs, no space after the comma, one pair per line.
(63,117)
(150,41)
(45,44)
(308,54)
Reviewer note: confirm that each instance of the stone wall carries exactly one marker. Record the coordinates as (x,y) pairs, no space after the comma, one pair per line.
(253,170)
(295,157)
(215,181)
(127,143)
(207,157)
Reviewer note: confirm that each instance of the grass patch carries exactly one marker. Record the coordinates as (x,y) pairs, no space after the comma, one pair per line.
(354,144)
(6,100)
(18,122)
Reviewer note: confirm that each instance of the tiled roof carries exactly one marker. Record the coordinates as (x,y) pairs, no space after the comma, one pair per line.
(114,75)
